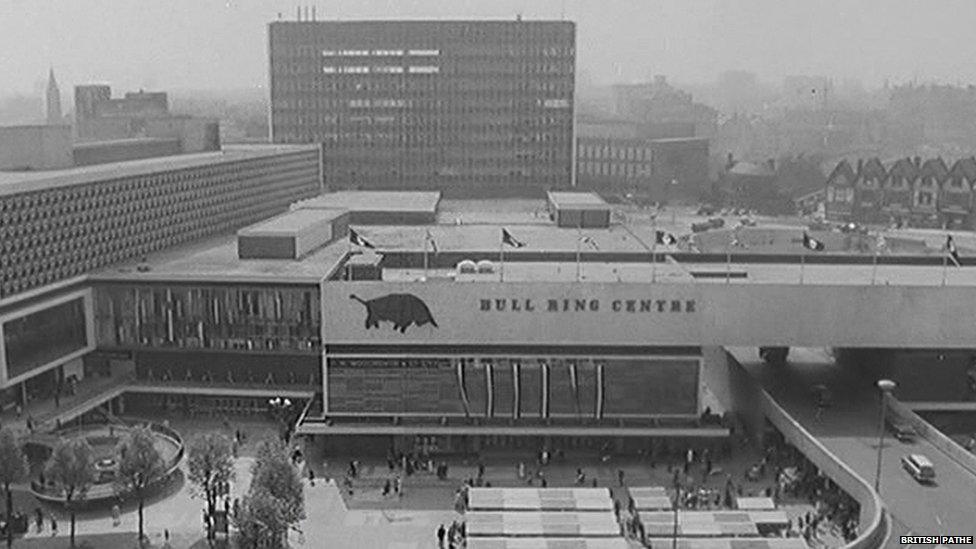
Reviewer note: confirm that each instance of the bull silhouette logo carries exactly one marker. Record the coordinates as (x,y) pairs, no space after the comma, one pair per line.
(400,309)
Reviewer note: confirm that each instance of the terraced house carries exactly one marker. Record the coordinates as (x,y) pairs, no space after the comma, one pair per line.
(910,191)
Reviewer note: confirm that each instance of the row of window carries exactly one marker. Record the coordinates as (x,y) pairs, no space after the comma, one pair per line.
(615,169)
(86,227)
(379,53)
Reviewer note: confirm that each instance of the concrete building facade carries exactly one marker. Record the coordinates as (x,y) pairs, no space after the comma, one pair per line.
(466,107)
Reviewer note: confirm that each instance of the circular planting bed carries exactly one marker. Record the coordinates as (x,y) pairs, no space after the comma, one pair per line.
(104,440)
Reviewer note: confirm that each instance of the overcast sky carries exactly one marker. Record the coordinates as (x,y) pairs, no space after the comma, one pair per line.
(211,44)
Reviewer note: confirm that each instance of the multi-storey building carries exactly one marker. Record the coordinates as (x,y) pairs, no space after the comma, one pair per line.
(55,225)
(468,107)
(909,192)
(59,226)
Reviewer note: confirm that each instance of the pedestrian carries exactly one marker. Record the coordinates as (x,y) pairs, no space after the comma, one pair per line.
(521,470)
(544,483)
(54,526)
(397,486)
(440,536)
(620,476)
(594,482)
(386,488)
(311,477)
(116,515)
(39,519)
(20,410)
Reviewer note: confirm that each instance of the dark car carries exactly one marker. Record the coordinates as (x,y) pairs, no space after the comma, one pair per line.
(901,430)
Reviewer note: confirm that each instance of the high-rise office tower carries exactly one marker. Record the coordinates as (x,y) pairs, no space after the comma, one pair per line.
(466,107)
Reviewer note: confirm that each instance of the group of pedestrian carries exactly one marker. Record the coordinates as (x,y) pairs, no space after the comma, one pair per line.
(393,486)
(451,537)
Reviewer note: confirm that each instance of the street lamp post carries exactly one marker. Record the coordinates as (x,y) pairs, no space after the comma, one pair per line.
(280,410)
(885,386)
(677,504)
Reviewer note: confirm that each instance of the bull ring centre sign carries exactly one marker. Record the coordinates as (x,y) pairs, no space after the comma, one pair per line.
(529,305)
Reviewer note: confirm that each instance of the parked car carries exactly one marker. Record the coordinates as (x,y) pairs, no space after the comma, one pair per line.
(901,430)
(920,467)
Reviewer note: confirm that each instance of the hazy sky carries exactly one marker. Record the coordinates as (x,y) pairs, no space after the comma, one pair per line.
(205,44)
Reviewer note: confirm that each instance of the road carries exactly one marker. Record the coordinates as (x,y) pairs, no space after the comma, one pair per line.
(849,429)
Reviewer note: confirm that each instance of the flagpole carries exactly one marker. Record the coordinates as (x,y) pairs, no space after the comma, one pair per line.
(579,248)
(654,252)
(945,262)
(874,266)
(349,258)
(426,259)
(501,257)
(728,262)
(803,261)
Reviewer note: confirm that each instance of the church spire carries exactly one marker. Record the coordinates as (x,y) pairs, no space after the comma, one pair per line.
(53,100)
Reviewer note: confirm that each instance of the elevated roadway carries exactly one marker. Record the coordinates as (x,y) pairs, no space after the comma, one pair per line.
(849,429)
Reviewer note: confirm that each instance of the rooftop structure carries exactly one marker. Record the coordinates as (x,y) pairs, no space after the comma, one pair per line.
(292,235)
(581,210)
(379,207)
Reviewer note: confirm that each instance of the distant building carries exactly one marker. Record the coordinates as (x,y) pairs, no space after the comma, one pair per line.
(618,157)
(466,107)
(39,147)
(753,186)
(53,97)
(659,103)
(910,192)
(139,115)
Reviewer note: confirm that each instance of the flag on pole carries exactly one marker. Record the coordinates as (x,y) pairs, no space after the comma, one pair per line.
(431,242)
(510,240)
(950,250)
(811,243)
(357,239)
(664,238)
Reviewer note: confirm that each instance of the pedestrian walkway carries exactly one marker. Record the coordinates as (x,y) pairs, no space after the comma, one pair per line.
(850,430)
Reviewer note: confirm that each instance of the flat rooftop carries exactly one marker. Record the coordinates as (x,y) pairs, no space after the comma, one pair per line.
(372,201)
(487,238)
(571,199)
(216,260)
(27,181)
(287,224)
